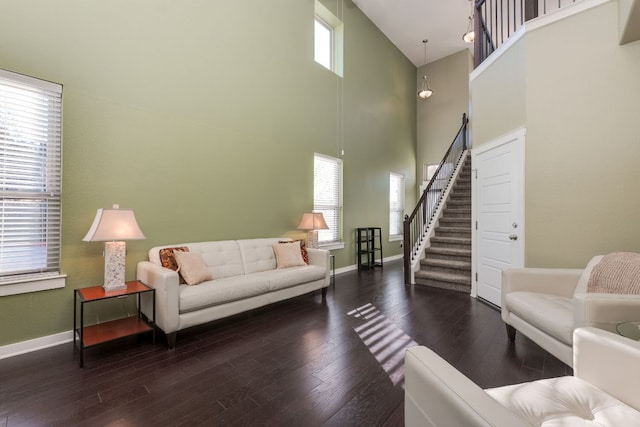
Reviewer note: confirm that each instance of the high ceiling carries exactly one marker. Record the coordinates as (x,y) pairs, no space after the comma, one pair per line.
(407,22)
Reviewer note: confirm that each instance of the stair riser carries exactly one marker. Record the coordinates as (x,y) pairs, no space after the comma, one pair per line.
(443,285)
(461,194)
(439,269)
(450,240)
(449,213)
(460,234)
(451,245)
(459,204)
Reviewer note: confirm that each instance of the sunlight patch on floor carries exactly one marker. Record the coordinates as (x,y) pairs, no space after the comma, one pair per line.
(386,342)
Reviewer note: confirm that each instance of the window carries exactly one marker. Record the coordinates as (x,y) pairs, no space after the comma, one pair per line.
(328,39)
(396,206)
(327,197)
(30,181)
(323,44)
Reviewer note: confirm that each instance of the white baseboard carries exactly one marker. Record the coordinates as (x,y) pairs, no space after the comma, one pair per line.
(22,347)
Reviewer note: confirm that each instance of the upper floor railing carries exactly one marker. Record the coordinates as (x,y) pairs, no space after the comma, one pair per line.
(496,20)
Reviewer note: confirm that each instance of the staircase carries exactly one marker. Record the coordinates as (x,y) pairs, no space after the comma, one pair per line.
(447,261)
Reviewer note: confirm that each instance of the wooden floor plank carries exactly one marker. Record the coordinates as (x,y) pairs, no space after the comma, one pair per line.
(305,361)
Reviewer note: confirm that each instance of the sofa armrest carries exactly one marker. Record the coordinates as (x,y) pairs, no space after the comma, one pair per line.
(166,283)
(320,257)
(609,362)
(554,281)
(437,394)
(605,311)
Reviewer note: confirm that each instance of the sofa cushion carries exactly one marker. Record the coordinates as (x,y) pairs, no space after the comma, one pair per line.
(257,254)
(565,401)
(221,291)
(552,314)
(280,279)
(192,267)
(223,258)
(288,255)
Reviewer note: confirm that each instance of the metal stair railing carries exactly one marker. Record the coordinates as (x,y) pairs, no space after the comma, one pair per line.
(416,225)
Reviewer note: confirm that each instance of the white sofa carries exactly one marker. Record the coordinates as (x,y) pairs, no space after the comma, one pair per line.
(603,390)
(245,277)
(547,304)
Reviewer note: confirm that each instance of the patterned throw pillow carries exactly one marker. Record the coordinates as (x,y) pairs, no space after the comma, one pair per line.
(168,260)
(303,249)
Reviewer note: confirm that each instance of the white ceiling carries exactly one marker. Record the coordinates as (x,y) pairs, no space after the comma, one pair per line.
(407,22)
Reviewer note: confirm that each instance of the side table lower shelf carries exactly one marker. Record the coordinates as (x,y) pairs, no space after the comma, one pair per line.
(113,330)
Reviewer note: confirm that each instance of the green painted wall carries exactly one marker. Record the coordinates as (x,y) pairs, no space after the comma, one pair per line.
(203,116)
(579,105)
(440,116)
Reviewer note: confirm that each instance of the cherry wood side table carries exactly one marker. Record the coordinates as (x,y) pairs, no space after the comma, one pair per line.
(89,336)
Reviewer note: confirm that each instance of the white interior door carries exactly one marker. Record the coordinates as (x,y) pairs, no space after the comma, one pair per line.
(499,212)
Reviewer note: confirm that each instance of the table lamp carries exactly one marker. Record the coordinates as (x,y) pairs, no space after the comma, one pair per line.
(312,222)
(114,226)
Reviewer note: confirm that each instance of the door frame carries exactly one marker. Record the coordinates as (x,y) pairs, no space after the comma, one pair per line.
(517,136)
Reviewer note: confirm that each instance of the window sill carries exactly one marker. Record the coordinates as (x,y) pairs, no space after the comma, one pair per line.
(395,238)
(35,283)
(332,246)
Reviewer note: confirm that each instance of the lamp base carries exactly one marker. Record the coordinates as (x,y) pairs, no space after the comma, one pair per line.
(312,239)
(114,257)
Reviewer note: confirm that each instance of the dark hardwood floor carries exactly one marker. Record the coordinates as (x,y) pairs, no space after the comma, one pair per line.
(302,362)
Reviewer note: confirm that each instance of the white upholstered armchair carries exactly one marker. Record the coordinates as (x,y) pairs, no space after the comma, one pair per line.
(547,304)
(603,390)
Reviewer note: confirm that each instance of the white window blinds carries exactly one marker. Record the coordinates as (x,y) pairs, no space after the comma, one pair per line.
(327,196)
(30,175)
(396,204)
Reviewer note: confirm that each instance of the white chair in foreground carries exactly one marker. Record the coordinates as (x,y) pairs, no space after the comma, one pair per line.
(547,304)
(604,390)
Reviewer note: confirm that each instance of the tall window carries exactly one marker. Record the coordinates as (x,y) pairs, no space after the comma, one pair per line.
(327,196)
(328,39)
(396,205)
(30,169)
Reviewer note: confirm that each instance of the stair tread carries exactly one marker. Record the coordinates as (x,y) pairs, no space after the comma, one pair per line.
(448,263)
(448,239)
(448,251)
(452,230)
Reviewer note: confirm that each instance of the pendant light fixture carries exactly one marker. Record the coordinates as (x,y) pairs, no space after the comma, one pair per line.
(425,90)
(470,35)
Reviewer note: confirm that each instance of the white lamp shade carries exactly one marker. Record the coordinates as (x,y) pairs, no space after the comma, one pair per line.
(114,225)
(313,221)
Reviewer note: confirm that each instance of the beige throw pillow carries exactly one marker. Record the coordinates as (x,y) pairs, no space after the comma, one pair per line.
(192,267)
(288,255)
